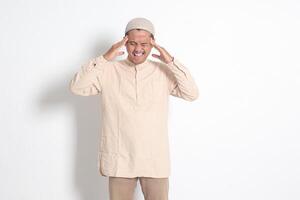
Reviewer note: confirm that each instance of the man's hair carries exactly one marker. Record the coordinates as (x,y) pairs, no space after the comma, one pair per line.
(151,35)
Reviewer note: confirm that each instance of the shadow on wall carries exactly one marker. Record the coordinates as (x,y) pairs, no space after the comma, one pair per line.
(87,180)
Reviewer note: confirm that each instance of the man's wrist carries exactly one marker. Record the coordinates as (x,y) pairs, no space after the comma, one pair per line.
(172,59)
(101,59)
(104,56)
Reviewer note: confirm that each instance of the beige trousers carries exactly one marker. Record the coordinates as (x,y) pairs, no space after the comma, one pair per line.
(121,188)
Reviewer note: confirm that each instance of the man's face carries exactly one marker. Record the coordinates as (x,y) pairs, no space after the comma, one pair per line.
(138,45)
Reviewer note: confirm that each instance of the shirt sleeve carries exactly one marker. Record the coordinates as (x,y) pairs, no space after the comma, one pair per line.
(181,82)
(88,80)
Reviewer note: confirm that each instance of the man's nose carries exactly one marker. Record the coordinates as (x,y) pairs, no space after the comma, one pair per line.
(138,47)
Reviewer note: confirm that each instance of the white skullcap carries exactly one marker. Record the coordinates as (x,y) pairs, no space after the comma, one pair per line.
(140,23)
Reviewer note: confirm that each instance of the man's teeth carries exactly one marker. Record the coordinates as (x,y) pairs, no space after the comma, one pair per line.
(138,54)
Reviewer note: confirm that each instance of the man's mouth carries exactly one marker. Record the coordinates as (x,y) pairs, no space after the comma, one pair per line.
(138,54)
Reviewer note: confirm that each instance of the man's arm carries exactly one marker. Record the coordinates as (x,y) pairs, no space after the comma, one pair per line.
(89,80)
(181,82)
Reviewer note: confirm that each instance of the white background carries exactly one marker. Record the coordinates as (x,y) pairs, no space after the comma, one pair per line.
(239,141)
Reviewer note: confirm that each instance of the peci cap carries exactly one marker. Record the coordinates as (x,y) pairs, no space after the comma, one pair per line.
(140,23)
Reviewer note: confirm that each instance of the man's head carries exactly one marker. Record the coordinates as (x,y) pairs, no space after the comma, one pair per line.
(140,31)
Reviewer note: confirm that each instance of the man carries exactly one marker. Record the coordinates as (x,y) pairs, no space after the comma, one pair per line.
(135,95)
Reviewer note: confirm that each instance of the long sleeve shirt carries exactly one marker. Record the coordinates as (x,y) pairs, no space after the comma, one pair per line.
(134,107)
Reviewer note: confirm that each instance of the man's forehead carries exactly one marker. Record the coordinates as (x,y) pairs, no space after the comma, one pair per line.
(139,38)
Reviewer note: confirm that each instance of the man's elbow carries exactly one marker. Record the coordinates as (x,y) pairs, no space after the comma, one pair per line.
(81,92)
(193,95)
(87,91)
(76,91)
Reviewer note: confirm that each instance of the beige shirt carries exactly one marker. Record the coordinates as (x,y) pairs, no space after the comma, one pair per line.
(134,104)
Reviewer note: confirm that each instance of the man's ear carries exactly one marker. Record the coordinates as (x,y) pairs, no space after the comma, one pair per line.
(152,39)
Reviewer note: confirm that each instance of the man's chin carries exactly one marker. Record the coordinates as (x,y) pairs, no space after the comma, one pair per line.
(136,60)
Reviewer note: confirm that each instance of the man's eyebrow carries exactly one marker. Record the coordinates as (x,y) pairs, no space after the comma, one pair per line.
(137,42)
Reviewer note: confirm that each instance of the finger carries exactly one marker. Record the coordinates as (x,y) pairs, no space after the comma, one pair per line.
(156,56)
(154,44)
(159,48)
(122,42)
(125,39)
(120,53)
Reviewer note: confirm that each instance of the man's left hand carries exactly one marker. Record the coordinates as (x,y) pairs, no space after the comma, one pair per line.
(164,55)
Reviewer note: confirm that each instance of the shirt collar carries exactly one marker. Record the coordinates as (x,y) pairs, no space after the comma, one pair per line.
(138,67)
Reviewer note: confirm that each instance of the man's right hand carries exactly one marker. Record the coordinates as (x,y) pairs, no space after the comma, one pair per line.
(114,50)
